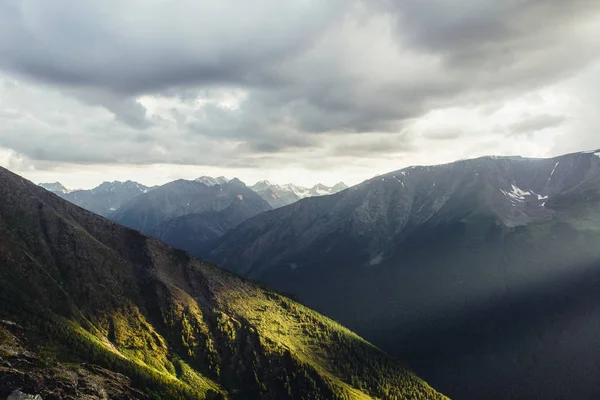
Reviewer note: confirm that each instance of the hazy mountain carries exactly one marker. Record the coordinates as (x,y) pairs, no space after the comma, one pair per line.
(191,214)
(323,190)
(91,309)
(484,274)
(55,187)
(102,200)
(276,195)
(283,195)
(210,181)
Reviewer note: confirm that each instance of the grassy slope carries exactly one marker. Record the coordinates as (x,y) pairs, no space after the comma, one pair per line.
(90,291)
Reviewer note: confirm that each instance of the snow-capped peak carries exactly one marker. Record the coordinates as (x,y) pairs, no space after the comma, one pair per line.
(55,187)
(210,181)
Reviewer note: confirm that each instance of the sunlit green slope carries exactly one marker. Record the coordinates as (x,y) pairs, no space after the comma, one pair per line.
(102,310)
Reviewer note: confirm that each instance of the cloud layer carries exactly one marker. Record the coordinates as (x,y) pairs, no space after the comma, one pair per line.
(257,85)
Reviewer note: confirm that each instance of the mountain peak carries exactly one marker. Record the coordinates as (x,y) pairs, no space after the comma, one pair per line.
(262,185)
(236,181)
(55,187)
(210,181)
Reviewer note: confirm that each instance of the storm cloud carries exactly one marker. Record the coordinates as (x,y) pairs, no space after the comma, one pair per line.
(225,83)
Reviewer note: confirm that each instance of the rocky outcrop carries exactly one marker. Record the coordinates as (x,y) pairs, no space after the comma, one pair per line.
(18,395)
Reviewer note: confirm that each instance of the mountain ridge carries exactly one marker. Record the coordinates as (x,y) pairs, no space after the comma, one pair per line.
(190,214)
(103,199)
(394,255)
(128,313)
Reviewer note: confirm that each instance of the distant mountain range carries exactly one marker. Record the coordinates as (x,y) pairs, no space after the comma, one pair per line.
(484,274)
(283,195)
(102,200)
(90,309)
(110,196)
(190,214)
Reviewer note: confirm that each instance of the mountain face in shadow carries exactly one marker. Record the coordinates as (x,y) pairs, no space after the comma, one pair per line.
(191,215)
(92,309)
(482,274)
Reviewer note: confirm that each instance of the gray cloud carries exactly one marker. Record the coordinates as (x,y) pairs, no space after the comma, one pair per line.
(536,123)
(367,146)
(125,109)
(309,70)
(140,46)
(443,133)
(487,32)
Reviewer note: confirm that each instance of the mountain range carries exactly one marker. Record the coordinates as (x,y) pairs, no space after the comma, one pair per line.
(283,195)
(103,199)
(484,274)
(190,214)
(90,309)
(110,196)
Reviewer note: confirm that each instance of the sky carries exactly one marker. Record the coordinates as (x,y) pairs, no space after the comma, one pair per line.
(300,91)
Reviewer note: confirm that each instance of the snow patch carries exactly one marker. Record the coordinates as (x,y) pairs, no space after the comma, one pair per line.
(516,193)
(112,209)
(400,181)
(553,170)
(520,192)
(597,154)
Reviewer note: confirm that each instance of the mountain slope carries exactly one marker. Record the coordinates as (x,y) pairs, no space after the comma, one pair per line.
(198,232)
(158,323)
(191,214)
(476,272)
(90,291)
